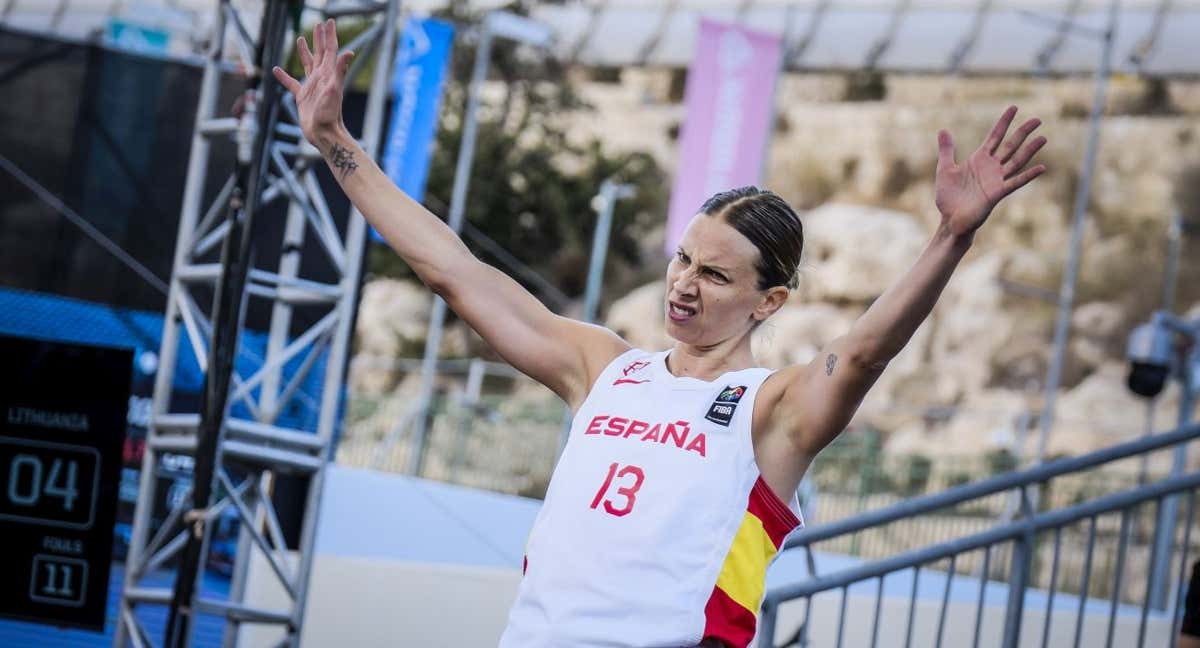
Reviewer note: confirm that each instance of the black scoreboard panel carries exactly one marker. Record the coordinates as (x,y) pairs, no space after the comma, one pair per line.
(63,411)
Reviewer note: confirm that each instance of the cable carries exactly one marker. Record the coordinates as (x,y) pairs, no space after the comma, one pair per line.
(481,534)
(96,235)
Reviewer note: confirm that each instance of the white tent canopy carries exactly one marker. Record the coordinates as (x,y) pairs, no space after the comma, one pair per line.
(971,36)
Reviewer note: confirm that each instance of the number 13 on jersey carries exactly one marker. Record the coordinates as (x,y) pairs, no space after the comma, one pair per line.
(629,492)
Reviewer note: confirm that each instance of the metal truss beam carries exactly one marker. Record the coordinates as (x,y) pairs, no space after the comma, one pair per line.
(881,46)
(795,52)
(968,41)
(252,451)
(1144,49)
(647,48)
(1045,55)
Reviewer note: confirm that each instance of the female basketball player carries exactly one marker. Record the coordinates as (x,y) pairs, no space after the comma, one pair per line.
(676,485)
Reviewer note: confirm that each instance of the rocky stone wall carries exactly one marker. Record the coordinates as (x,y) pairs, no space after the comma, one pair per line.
(862,174)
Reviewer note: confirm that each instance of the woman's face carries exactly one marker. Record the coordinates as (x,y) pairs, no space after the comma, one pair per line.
(712,285)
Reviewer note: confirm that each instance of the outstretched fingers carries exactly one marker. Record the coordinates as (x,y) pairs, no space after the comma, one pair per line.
(286,79)
(945,150)
(343,64)
(325,38)
(306,57)
(1023,178)
(997,135)
(331,33)
(1018,138)
(1018,161)
(318,44)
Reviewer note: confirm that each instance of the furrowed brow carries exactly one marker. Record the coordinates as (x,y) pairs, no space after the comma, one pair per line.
(703,266)
(716,268)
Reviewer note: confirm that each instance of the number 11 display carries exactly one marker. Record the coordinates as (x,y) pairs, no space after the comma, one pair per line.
(62,424)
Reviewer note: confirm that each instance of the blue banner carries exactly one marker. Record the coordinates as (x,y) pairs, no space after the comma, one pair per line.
(140,39)
(420,69)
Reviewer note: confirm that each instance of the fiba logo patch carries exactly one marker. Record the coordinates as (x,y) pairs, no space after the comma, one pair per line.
(721,410)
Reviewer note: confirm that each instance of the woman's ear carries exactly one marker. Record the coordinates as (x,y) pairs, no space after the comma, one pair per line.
(772,300)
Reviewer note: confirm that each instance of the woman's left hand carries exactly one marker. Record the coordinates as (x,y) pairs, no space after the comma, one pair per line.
(966,193)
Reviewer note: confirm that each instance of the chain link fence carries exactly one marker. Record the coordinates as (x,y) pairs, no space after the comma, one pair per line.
(498,430)
(501,431)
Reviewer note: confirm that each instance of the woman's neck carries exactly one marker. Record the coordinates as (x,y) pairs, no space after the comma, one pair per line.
(707,363)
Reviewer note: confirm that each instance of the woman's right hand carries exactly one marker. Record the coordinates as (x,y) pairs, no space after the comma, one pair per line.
(565,355)
(319,96)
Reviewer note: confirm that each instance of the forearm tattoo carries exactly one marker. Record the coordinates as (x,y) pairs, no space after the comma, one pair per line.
(342,160)
(830,363)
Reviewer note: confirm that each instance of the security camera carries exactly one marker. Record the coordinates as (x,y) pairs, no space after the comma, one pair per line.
(1149,353)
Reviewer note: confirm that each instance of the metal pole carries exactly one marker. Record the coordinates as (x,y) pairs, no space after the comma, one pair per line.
(227,315)
(241,563)
(1024,548)
(1174,246)
(476,371)
(168,350)
(610,193)
(281,312)
(1066,295)
(766,631)
(437,317)
(281,319)
(604,203)
(591,295)
(335,367)
(1164,536)
(1144,463)
(1023,423)
(1174,243)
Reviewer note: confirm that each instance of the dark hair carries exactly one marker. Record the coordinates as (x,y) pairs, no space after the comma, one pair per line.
(770,224)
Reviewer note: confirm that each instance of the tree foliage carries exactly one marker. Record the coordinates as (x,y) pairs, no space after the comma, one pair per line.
(532,184)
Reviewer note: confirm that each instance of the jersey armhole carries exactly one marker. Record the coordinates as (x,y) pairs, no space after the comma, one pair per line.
(616,361)
(788,510)
(606,372)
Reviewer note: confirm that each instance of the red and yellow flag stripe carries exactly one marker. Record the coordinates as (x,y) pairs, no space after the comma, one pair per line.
(732,611)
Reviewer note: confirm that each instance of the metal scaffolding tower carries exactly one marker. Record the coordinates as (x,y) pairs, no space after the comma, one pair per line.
(238,457)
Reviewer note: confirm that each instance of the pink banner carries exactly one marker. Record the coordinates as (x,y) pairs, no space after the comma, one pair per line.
(730,92)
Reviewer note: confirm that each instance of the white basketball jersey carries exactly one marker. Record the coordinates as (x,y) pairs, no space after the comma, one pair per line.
(657,528)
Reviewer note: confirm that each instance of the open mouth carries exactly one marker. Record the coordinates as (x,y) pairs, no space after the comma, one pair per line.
(679,312)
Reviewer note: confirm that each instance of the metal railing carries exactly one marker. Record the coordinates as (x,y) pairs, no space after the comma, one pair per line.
(852,479)
(503,441)
(1014,547)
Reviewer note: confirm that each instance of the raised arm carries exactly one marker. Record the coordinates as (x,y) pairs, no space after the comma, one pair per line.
(819,399)
(563,354)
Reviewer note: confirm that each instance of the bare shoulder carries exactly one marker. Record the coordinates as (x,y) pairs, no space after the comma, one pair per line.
(600,346)
(808,406)
(597,346)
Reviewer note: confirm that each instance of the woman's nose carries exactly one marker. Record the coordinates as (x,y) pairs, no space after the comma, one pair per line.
(685,282)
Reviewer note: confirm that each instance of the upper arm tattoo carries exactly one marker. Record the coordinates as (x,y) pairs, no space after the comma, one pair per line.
(830,363)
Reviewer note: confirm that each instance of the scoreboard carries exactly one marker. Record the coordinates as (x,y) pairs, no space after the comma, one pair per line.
(63,410)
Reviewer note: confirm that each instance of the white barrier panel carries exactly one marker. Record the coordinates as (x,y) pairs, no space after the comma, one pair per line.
(403,562)
(360,602)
